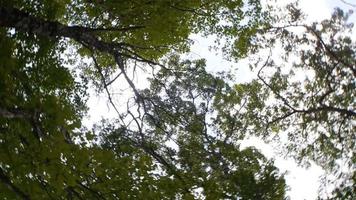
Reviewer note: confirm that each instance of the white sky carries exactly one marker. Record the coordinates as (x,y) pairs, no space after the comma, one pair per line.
(303,183)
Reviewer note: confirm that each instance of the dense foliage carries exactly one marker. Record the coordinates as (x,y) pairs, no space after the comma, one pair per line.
(178,136)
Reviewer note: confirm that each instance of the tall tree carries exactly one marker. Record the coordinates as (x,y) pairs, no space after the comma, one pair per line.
(306,80)
(47,154)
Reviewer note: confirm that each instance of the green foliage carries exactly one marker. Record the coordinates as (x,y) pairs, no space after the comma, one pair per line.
(311,89)
(177,107)
(45,151)
(178,137)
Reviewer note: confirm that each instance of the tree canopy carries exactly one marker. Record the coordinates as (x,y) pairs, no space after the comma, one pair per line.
(177,137)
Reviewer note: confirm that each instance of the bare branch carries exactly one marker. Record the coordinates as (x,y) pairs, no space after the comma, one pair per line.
(348,3)
(96,65)
(113,80)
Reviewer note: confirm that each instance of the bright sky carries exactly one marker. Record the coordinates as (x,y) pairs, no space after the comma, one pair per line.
(303,182)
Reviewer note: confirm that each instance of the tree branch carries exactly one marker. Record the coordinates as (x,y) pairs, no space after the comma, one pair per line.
(12,114)
(348,3)
(6,181)
(285,101)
